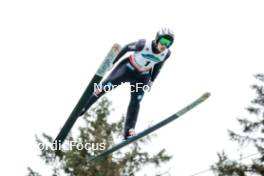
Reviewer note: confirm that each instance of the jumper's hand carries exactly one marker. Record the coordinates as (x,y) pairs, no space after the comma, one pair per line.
(150,83)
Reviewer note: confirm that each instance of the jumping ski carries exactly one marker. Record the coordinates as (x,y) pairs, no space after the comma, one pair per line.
(104,67)
(151,129)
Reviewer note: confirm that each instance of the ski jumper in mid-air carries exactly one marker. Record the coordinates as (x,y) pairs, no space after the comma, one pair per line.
(139,69)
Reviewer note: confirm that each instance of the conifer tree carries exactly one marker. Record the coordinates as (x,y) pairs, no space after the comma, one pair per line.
(100,134)
(252,133)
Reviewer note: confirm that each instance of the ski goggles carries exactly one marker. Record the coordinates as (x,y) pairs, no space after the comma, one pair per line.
(165,42)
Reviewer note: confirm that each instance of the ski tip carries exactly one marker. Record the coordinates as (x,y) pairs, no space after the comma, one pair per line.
(206,95)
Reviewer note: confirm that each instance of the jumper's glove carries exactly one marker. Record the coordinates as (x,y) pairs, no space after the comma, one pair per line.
(150,83)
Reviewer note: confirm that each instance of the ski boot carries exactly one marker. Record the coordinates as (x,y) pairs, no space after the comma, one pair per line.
(130,133)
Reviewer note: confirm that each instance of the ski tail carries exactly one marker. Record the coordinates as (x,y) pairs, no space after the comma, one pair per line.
(153,128)
(104,67)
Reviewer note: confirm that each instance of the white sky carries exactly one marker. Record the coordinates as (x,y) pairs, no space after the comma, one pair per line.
(49,51)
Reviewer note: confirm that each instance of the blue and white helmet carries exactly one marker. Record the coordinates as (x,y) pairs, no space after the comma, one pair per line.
(166,33)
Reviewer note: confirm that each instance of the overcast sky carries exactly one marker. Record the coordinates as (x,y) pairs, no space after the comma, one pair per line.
(49,51)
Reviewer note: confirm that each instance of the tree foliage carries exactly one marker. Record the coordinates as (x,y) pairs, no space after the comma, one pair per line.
(252,133)
(72,160)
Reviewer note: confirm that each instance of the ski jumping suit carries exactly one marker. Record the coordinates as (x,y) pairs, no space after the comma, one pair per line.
(138,69)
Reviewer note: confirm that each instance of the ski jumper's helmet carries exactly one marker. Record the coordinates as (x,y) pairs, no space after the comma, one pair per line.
(165,34)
